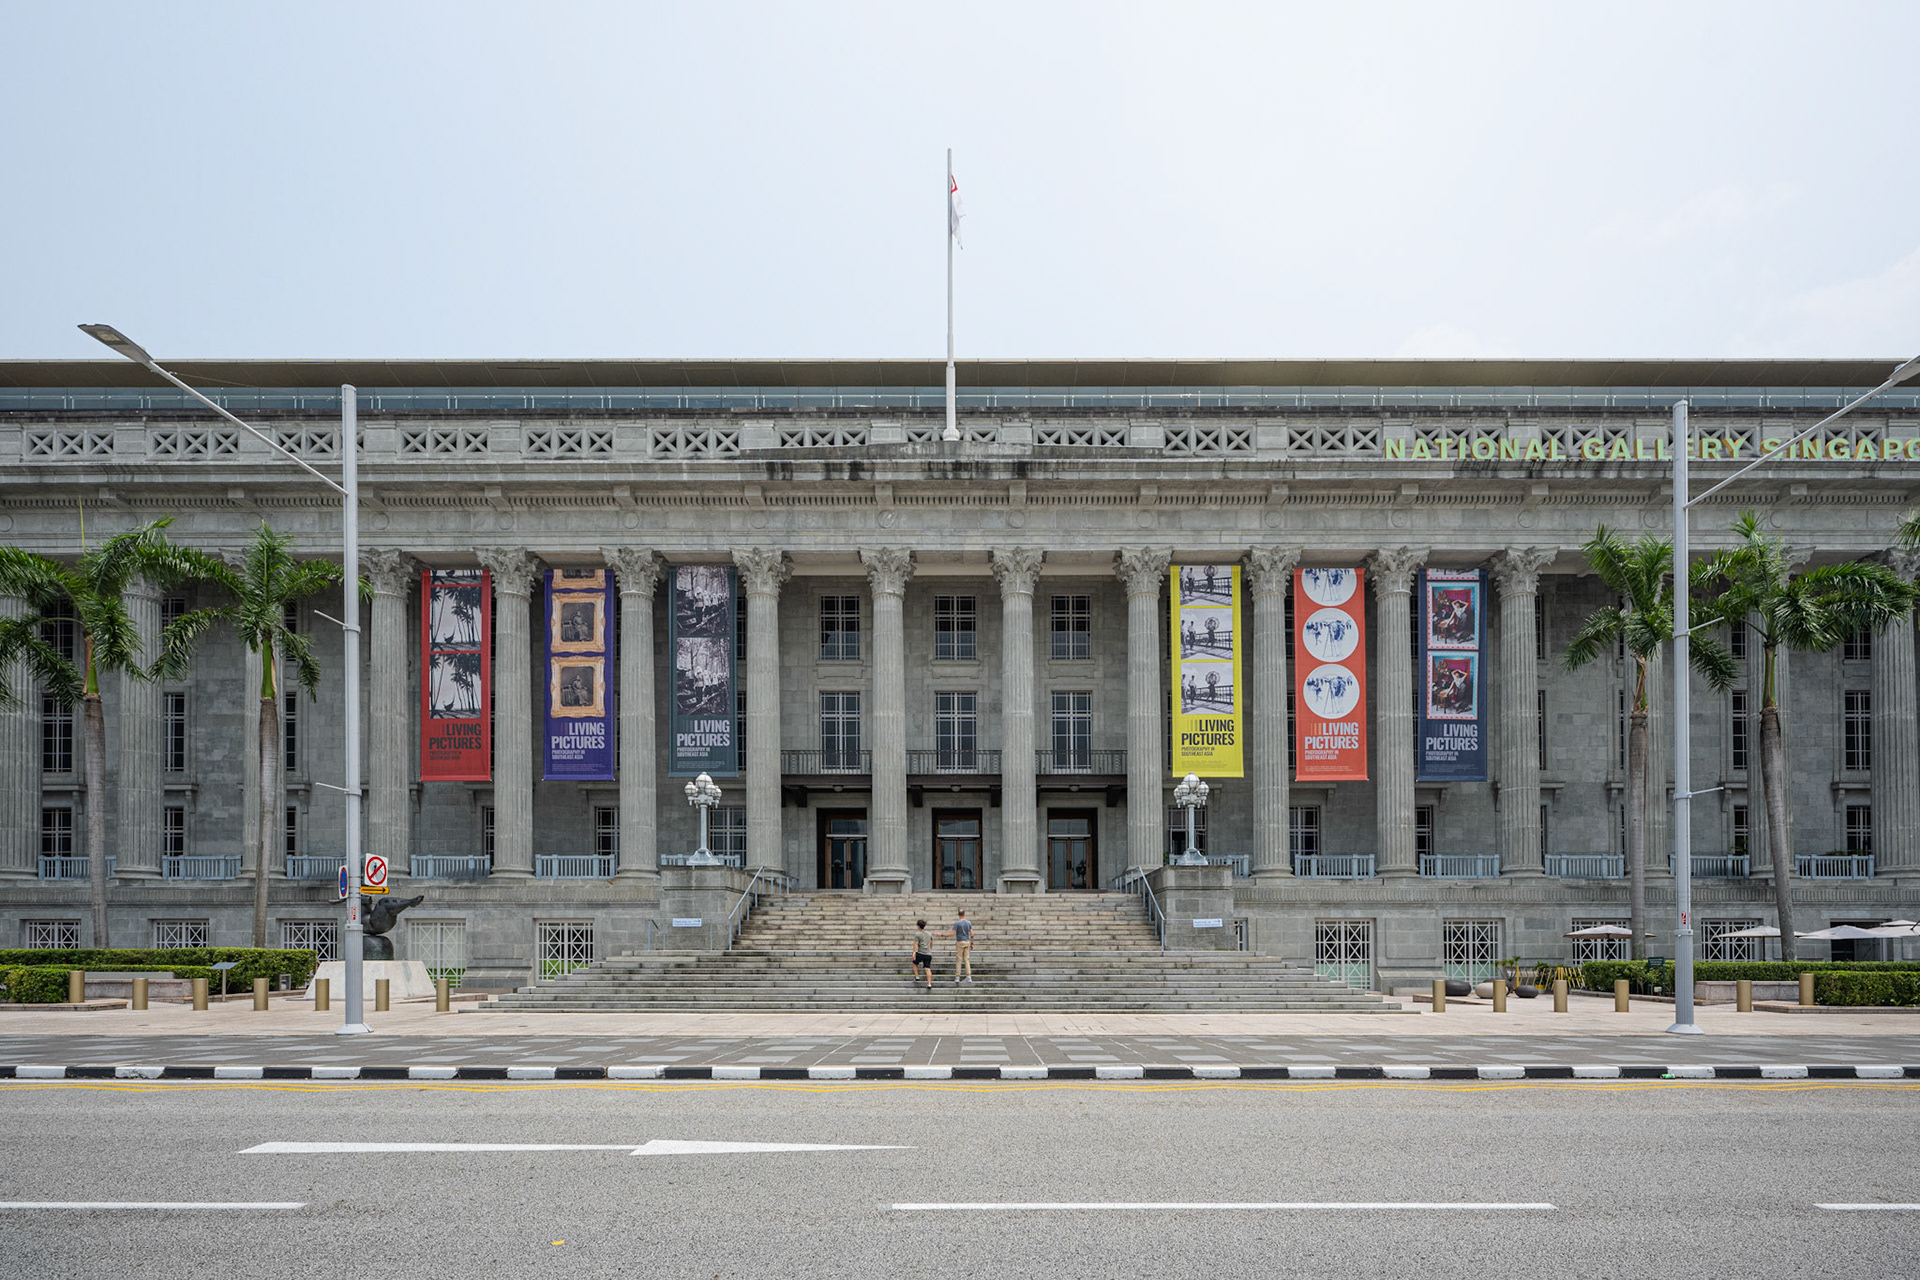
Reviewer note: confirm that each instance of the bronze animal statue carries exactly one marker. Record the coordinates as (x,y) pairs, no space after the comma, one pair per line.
(377,915)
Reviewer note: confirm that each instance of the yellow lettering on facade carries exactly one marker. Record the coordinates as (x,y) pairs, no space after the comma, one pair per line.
(1839,449)
(1420,451)
(1769,446)
(1734,444)
(1484,449)
(1865,452)
(1912,450)
(1640,453)
(1446,443)
(1709,449)
(1535,451)
(1593,449)
(1889,449)
(1396,449)
(1509,448)
(1619,452)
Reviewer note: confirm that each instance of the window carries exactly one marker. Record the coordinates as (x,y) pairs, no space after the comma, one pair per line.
(1544,845)
(56,832)
(606,830)
(956,732)
(1717,946)
(486,833)
(565,945)
(1857,717)
(1620,637)
(954,628)
(1859,828)
(290,831)
(727,833)
(175,706)
(290,615)
(56,737)
(840,731)
(1857,647)
(322,937)
(1303,830)
(173,832)
(1293,727)
(1742,830)
(1343,952)
(172,609)
(1072,626)
(50,935)
(1423,830)
(1470,949)
(171,934)
(739,627)
(840,627)
(1620,698)
(1585,949)
(1177,830)
(740,724)
(1540,626)
(1073,730)
(441,945)
(290,731)
(61,629)
(1738,741)
(1620,830)
(1737,643)
(1540,725)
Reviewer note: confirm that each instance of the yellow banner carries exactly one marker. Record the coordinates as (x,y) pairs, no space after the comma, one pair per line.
(1207,715)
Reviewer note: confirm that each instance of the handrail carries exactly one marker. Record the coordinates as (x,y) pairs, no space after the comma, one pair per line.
(1136,882)
(750,897)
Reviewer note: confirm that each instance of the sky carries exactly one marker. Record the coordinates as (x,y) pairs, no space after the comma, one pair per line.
(718,179)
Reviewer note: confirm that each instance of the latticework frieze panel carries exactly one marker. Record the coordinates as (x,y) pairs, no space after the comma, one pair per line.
(61,443)
(923,433)
(1211,438)
(309,442)
(443,442)
(693,442)
(568,442)
(1081,435)
(824,437)
(193,442)
(1330,439)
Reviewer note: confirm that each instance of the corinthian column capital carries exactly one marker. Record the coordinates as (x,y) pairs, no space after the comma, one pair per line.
(1903,562)
(1018,570)
(888,569)
(1393,569)
(636,570)
(391,571)
(513,569)
(1142,569)
(1516,571)
(1270,569)
(762,571)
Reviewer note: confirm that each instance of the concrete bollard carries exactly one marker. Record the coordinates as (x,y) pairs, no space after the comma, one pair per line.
(380,988)
(1439,995)
(1499,995)
(139,993)
(200,995)
(1806,991)
(1559,995)
(1743,995)
(322,995)
(260,989)
(1620,995)
(442,996)
(76,986)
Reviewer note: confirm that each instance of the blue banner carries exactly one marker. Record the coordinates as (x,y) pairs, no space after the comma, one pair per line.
(1453,676)
(702,731)
(580,712)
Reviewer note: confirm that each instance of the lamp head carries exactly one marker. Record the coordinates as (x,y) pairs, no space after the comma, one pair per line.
(690,789)
(112,338)
(1908,370)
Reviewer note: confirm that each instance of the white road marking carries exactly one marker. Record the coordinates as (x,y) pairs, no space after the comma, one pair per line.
(1136,1205)
(1870,1208)
(672,1147)
(655,1147)
(152,1204)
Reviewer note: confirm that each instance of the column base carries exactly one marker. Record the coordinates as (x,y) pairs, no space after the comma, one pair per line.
(1396,873)
(889,882)
(509,873)
(1027,882)
(1273,873)
(1524,873)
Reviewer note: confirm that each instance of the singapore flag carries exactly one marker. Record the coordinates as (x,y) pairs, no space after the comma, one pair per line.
(955,211)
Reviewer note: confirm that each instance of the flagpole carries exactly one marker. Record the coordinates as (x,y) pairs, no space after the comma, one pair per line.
(953,415)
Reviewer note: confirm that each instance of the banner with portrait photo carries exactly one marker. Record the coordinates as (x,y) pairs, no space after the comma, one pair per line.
(1207,715)
(1453,677)
(456,662)
(1330,675)
(580,715)
(701,639)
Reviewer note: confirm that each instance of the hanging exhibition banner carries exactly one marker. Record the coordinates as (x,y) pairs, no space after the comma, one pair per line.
(1206,671)
(579,659)
(1330,675)
(701,638)
(1453,677)
(456,659)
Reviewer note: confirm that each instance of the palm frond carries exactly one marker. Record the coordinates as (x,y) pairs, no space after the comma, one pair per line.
(21,641)
(180,638)
(1596,635)
(1907,535)
(298,652)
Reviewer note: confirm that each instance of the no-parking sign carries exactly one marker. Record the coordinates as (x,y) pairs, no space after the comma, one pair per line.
(375,880)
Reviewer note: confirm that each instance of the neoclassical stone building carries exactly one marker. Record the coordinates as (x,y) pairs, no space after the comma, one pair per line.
(954,656)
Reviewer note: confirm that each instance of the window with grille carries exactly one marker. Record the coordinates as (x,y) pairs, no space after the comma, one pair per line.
(739,627)
(1072,729)
(173,831)
(175,709)
(172,609)
(840,730)
(740,723)
(1859,828)
(1470,949)
(1620,829)
(1857,647)
(1857,725)
(290,831)
(1072,627)
(1620,708)
(61,629)
(840,627)
(1715,945)
(322,937)
(290,732)
(1544,842)
(1620,637)
(56,737)
(565,945)
(1177,830)
(1737,642)
(1540,625)
(1293,727)
(1423,830)
(56,832)
(290,615)
(1742,829)
(486,832)
(1540,724)
(440,945)
(171,934)
(606,830)
(727,833)
(956,731)
(1303,830)
(1585,949)
(1343,952)
(1738,742)
(50,935)
(954,628)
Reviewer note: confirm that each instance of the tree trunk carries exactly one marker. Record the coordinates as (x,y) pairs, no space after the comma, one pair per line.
(1637,832)
(1773,777)
(96,755)
(270,829)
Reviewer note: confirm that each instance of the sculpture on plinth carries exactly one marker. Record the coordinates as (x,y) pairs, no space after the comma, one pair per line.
(377,915)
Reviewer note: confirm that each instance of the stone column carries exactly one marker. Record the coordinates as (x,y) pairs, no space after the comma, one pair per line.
(888,569)
(1269,574)
(250,799)
(1018,571)
(1659,759)
(514,573)
(1392,570)
(390,698)
(139,791)
(1896,741)
(636,572)
(762,573)
(19,763)
(1516,572)
(1143,570)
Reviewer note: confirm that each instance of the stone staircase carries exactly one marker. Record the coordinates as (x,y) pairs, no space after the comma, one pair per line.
(850,952)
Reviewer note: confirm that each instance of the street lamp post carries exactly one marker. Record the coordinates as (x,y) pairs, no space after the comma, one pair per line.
(1191,795)
(348,487)
(1683,1023)
(703,793)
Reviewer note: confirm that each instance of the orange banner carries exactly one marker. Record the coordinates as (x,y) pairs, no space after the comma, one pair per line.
(1330,675)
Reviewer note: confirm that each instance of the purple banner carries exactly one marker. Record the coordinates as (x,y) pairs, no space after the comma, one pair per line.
(1453,676)
(580,723)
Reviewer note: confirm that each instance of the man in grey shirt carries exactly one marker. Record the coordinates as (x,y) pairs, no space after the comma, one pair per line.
(962,935)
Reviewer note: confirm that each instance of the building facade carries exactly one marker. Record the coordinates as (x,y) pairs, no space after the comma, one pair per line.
(954,657)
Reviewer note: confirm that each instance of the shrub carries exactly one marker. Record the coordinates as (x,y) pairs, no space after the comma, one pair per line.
(251,962)
(1882,988)
(1599,975)
(35,984)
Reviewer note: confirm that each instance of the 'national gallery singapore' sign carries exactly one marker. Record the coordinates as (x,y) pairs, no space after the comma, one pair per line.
(1613,447)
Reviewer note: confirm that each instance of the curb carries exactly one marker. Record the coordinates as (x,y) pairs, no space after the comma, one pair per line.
(645,1071)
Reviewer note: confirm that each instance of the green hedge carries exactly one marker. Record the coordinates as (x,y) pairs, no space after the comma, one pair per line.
(27,984)
(1866,988)
(1599,975)
(250,962)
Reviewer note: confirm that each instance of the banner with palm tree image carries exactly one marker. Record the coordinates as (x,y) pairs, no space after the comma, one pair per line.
(456,659)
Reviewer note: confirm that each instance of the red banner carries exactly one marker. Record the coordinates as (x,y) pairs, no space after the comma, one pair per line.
(1330,675)
(456,665)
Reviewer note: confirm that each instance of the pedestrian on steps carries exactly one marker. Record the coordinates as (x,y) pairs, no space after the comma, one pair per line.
(922,954)
(962,935)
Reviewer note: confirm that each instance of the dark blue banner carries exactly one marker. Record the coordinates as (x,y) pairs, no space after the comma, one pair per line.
(580,714)
(1453,676)
(701,727)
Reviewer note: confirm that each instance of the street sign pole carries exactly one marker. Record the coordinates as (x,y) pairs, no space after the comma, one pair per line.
(354,947)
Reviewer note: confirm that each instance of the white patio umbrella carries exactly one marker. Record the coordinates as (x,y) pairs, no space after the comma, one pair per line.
(1600,931)
(1758,931)
(1839,931)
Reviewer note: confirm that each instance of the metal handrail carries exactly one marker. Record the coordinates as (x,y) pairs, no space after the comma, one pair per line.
(200,866)
(1078,760)
(848,760)
(975,760)
(750,898)
(1136,882)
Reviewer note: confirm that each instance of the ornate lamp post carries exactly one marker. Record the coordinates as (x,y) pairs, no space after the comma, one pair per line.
(1191,795)
(703,793)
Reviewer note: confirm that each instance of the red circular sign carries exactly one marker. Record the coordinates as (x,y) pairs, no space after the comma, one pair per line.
(376,869)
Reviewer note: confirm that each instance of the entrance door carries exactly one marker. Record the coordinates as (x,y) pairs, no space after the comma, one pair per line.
(1071,859)
(956,848)
(843,848)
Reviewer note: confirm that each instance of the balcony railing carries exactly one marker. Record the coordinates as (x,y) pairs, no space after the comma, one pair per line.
(1333,866)
(953,760)
(194,866)
(1716,866)
(682,859)
(59,868)
(450,866)
(1460,866)
(1079,761)
(313,866)
(1586,866)
(1242,863)
(1834,866)
(573,866)
(837,760)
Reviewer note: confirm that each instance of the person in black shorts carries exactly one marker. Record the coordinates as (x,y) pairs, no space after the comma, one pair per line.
(922,954)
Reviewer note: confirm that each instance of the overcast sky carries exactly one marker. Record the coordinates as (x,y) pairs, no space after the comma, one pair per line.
(1178,179)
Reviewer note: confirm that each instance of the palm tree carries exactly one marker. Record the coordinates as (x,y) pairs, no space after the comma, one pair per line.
(1752,584)
(1641,575)
(94,591)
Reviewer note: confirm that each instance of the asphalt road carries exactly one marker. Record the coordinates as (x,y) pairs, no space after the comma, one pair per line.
(1668,1179)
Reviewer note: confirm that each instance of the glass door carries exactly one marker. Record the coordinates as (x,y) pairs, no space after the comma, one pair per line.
(843,848)
(1071,863)
(956,848)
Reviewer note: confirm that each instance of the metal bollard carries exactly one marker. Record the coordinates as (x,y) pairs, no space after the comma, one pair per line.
(1559,995)
(1499,995)
(322,995)
(1743,995)
(260,988)
(1439,995)
(442,996)
(139,993)
(380,989)
(76,986)
(1806,991)
(200,995)
(1620,995)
